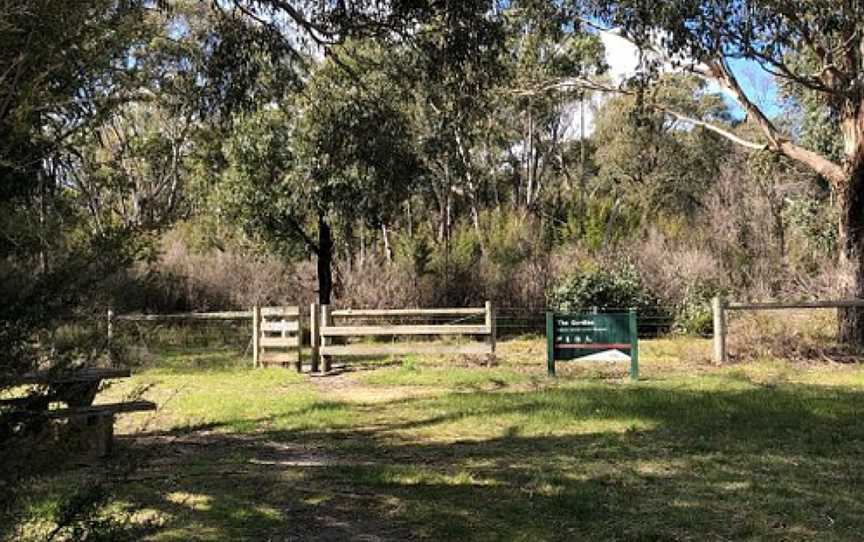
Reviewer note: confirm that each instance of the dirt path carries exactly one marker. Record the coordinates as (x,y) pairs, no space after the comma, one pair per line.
(289,481)
(344,384)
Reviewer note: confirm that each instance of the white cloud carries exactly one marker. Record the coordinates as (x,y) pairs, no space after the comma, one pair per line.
(623,59)
(621,56)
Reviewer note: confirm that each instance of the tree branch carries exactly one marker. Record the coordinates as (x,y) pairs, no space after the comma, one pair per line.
(716,129)
(719,71)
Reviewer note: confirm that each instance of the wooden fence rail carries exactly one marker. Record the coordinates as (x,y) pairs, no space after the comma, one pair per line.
(278,332)
(326,331)
(226,315)
(719,307)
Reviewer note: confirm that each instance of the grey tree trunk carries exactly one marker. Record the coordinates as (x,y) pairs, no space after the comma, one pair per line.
(388,250)
(851,245)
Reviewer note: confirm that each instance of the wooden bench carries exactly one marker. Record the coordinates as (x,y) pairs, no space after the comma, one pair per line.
(93,424)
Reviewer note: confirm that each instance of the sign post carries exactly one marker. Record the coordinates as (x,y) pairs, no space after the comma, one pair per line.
(588,336)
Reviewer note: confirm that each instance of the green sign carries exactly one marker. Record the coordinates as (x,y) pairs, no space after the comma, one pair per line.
(576,336)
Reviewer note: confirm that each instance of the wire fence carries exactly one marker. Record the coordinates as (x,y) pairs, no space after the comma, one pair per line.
(143,333)
(514,321)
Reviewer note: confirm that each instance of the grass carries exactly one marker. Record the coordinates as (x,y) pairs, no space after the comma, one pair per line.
(414,372)
(442,449)
(214,389)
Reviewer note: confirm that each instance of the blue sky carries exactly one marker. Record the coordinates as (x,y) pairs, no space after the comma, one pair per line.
(758,84)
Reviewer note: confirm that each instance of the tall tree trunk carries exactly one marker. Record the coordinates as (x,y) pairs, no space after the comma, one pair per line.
(362,244)
(325,260)
(780,233)
(43,234)
(529,163)
(610,222)
(388,250)
(410,217)
(851,245)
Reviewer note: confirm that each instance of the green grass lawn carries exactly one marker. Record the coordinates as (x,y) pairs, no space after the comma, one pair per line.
(437,448)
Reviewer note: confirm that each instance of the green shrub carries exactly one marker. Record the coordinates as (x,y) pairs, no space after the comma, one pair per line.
(816,222)
(693,314)
(617,288)
(510,238)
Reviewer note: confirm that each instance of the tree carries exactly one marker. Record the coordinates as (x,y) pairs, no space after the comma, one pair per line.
(451,75)
(545,54)
(704,37)
(63,70)
(132,168)
(340,151)
(653,162)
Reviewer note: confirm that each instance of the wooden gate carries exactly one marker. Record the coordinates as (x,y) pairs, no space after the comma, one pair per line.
(326,331)
(277,336)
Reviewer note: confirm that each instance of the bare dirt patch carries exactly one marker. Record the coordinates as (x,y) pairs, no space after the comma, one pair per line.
(345,386)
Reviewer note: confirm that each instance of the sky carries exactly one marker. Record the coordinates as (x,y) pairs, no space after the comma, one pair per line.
(622,58)
(758,85)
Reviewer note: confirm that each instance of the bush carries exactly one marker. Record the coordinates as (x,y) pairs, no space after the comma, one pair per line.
(806,335)
(375,284)
(681,275)
(618,288)
(183,279)
(693,315)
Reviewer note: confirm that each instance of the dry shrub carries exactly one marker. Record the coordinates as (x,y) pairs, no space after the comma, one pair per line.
(182,280)
(220,279)
(521,284)
(529,284)
(376,284)
(670,270)
(834,280)
(795,335)
(567,259)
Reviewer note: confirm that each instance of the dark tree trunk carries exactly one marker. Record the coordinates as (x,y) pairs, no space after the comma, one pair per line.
(851,245)
(325,260)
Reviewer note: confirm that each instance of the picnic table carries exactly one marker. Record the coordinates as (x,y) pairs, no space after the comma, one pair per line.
(76,389)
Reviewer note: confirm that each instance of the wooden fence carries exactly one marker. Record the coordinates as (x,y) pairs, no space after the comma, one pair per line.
(226,315)
(277,336)
(336,324)
(719,308)
(278,332)
(175,317)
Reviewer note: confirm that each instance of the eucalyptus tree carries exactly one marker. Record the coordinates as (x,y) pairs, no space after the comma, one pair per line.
(452,67)
(340,150)
(653,163)
(63,70)
(707,37)
(546,57)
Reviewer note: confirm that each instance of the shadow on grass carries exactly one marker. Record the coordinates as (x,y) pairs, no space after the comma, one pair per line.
(189,361)
(767,463)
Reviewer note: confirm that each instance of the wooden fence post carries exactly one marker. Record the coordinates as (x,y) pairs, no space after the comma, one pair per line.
(256,335)
(490,324)
(110,334)
(325,322)
(634,346)
(299,340)
(718,309)
(314,335)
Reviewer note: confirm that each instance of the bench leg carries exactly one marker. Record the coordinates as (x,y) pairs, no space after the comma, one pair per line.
(93,435)
(107,431)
